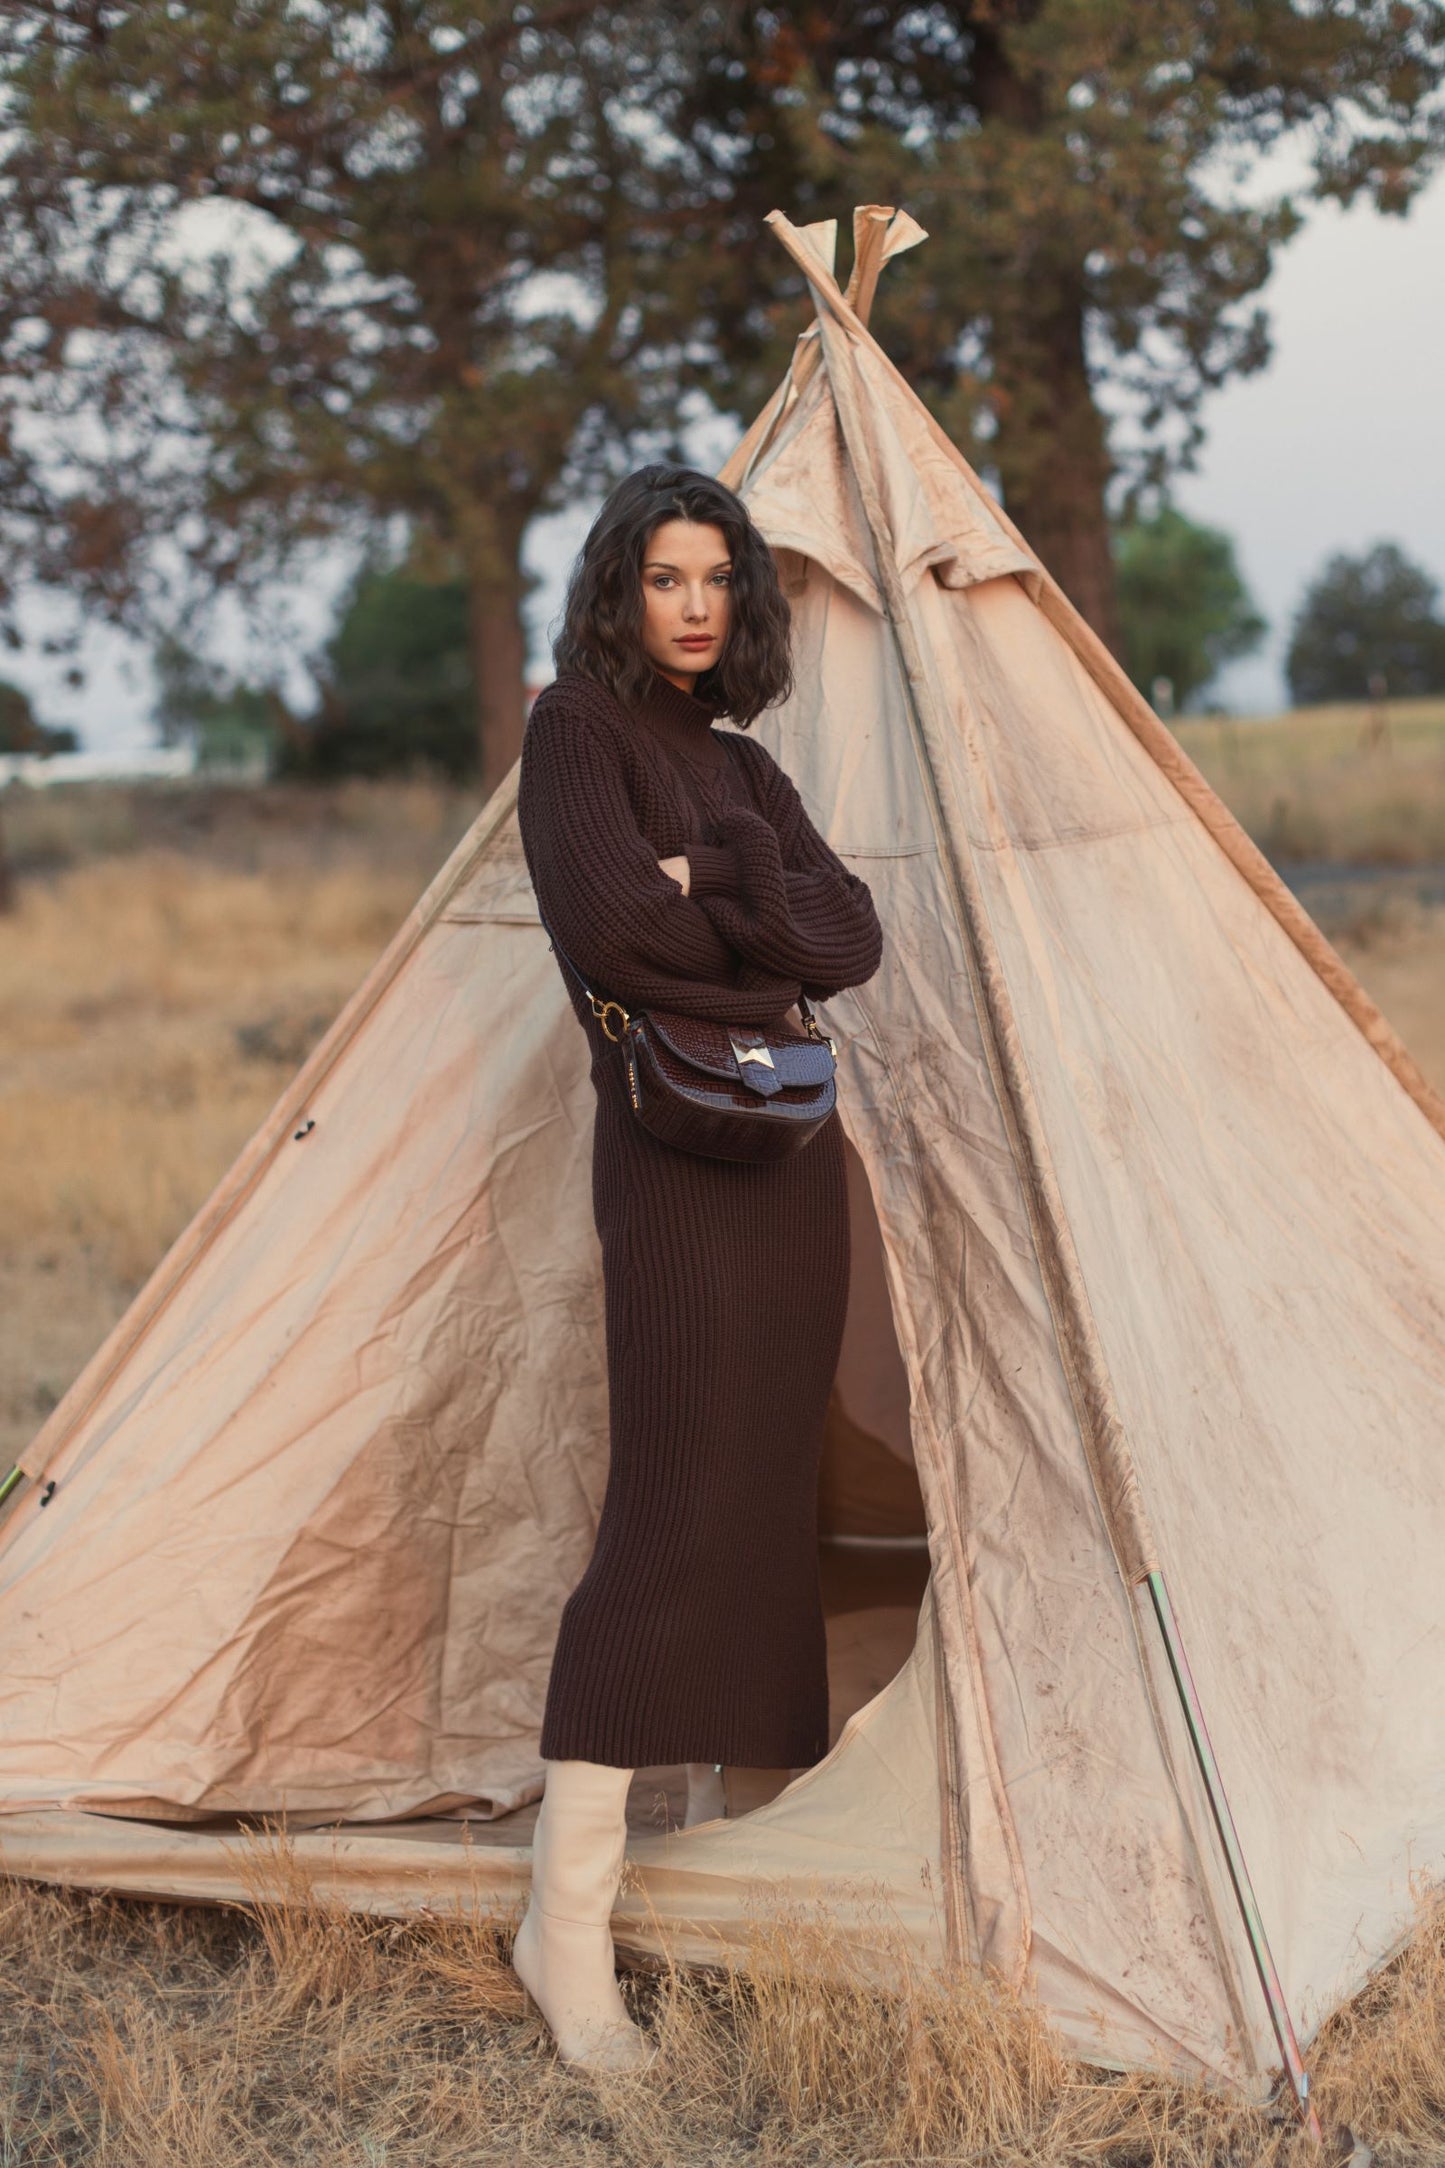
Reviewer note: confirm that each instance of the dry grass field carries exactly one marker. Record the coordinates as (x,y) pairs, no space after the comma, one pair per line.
(173,955)
(154,2036)
(1346,784)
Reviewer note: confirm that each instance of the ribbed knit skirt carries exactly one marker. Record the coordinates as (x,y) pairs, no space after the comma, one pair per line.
(696,1633)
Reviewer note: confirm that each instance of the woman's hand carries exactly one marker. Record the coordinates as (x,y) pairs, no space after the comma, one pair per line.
(678,870)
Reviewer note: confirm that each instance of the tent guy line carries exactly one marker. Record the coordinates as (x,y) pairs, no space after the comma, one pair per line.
(1239,1875)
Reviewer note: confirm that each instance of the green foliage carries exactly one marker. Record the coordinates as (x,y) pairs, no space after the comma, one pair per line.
(231,723)
(1367,625)
(20,729)
(397,687)
(322,270)
(1080,165)
(1184,609)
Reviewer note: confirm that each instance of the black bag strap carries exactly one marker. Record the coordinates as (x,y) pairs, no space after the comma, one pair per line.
(602,1006)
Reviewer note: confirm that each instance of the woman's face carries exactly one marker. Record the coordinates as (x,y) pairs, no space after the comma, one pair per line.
(686,576)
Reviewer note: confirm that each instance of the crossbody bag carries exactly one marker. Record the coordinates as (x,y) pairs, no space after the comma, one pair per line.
(727,1091)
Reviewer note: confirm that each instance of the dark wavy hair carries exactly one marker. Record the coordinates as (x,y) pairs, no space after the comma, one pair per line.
(601,631)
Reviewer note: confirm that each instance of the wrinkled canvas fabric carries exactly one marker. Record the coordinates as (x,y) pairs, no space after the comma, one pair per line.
(1162,1239)
(307,1550)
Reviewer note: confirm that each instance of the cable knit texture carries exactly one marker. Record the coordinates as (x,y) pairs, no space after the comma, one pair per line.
(696,1633)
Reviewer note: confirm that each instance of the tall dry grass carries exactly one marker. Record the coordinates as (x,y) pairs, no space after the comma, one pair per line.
(1319,784)
(149,1009)
(145,2036)
(395,823)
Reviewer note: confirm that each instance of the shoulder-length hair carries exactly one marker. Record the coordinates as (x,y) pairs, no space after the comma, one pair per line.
(601,631)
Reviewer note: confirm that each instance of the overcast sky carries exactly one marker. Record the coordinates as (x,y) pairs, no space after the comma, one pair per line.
(1338,444)
(1341,441)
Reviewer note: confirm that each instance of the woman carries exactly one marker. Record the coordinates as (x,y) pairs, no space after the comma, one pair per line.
(677,868)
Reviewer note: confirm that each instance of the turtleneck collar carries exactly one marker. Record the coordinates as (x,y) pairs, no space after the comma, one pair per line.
(682,721)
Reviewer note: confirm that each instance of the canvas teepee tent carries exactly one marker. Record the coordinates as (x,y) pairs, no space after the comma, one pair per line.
(1149,1227)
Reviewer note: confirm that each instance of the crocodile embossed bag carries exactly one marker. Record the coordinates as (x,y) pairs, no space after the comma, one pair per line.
(724,1090)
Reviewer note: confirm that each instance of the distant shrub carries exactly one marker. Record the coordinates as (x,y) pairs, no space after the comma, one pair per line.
(1367,625)
(232,724)
(1184,608)
(22,732)
(397,685)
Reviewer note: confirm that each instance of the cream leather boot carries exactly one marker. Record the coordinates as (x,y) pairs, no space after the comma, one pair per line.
(706,1799)
(563,1952)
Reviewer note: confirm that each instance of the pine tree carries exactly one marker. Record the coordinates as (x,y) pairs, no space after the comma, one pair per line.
(273,274)
(1076,163)
(1367,625)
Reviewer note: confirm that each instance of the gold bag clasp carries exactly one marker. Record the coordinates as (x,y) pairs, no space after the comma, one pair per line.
(602,1010)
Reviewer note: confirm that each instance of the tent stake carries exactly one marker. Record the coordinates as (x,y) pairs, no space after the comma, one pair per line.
(1269,1979)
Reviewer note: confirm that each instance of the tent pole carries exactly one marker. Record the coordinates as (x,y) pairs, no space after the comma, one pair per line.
(1269,1979)
(11,1482)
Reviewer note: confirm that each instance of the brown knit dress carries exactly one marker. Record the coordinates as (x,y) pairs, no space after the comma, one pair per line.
(696,1632)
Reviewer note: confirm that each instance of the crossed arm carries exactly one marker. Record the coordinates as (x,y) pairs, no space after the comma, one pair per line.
(626,924)
(780,894)
(766,911)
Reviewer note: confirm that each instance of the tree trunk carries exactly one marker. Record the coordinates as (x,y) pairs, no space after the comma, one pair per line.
(499,664)
(490,547)
(1051,447)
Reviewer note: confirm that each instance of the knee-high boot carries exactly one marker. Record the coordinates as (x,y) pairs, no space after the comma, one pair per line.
(563,1952)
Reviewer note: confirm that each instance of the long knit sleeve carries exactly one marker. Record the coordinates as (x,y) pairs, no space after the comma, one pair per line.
(715,870)
(623,921)
(800,910)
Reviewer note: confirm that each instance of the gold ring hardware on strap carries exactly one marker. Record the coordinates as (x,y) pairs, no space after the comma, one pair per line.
(811,1027)
(601,1009)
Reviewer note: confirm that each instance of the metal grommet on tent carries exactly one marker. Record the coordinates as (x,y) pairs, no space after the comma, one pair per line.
(304,1131)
